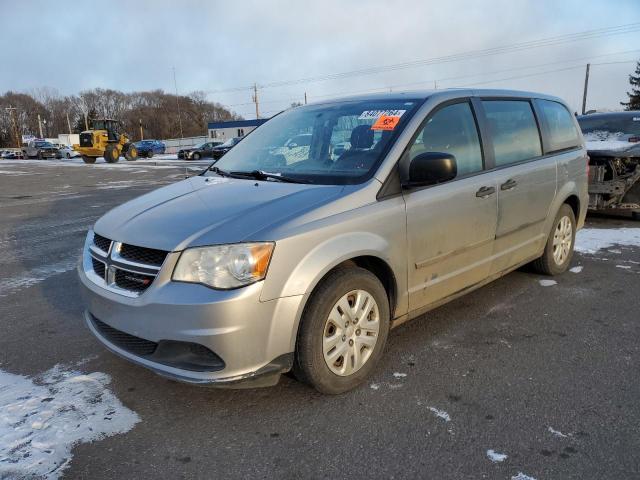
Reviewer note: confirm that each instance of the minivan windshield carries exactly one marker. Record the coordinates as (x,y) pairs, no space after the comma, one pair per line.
(345,141)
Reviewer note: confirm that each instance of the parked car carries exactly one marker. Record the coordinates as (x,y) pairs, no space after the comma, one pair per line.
(39,149)
(220,150)
(613,144)
(204,150)
(270,266)
(66,151)
(11,154)
(148,148)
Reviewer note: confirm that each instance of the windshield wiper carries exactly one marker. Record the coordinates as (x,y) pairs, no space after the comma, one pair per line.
(260,175)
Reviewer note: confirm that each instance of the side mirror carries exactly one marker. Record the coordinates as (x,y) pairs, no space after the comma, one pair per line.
(292,145)
(429,168)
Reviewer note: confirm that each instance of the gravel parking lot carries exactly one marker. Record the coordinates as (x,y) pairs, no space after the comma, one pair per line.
(520,379)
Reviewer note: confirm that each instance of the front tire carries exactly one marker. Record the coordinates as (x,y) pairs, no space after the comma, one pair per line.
(131,153)
(559,248)
(343,331)
(195,156)
(89,160)
(111,153)
(150,154)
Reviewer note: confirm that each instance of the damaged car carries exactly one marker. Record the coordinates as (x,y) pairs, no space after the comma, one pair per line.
(613,145)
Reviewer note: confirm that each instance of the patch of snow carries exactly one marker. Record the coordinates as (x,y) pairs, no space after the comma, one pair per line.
(496,457)
(37,275)
(42,421)
(577,269)
(626,267)
(615,145)
(590,240)
(614,250)
(440,414)
(557,433)
(399,375)
(547,283)
(522,476)
(374,386)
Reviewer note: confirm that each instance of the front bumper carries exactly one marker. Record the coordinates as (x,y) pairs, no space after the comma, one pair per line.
(254,339)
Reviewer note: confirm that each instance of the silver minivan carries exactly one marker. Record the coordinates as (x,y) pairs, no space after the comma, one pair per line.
(302,258)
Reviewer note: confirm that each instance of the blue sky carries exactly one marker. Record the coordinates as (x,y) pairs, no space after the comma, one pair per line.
(133,45)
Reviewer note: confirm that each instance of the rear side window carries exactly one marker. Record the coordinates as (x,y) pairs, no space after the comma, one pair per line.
(514,130)
(562,131)
(452,129)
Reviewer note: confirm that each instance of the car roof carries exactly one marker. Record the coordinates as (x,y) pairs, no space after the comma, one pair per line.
(444,93)
(628,113)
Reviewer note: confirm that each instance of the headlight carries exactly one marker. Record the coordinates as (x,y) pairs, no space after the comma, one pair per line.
(224,266)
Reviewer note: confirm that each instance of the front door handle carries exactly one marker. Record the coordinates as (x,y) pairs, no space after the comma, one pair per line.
(485,192)
(509,184)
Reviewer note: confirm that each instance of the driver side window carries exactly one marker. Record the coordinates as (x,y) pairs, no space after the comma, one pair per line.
(452,129)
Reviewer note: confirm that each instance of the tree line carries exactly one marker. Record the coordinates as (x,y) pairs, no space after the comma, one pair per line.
(156,110)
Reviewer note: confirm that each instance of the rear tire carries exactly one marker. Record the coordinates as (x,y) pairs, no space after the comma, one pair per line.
(111,153)
(336,366)
(86,159)
(68,155)
(40,156)
(195,156)
(559,248)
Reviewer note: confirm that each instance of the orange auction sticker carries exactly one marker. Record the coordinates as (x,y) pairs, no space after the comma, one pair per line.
(386,122)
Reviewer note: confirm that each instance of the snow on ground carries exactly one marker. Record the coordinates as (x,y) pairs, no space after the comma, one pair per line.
(36,275)
(557,433)
(590,240)
(41,420)
(496,457)
(522,476)
(547,283)
(399,375)
(577,269)
(441,414)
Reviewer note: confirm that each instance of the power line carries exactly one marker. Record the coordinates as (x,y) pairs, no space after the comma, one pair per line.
(458,77)
(544,42)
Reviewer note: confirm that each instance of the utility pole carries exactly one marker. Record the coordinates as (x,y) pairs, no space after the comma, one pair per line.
(305,98)
(11,111)
(586,87)
(69,123)
(40,126)
(141,132)
(178,104)
(255,99)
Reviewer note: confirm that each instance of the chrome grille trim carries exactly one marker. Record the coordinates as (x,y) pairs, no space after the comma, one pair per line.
(114,262)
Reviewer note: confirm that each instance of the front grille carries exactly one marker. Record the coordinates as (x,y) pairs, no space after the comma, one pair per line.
(98,267)
(150,256)
(86,139)
(130,343)
(101,242)
(135,282)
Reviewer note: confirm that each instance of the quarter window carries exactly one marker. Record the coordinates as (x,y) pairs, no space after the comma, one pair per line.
(452,129)
(514,130)
(562,130)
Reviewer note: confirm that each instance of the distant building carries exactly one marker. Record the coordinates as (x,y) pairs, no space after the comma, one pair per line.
(223,131)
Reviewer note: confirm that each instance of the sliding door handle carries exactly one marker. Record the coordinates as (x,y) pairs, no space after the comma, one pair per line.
(485,192)
(509,184)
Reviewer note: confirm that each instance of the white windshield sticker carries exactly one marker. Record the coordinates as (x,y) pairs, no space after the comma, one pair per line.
(373,114)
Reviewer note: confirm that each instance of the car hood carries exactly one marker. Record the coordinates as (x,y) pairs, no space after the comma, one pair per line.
(210,210)
(612,147)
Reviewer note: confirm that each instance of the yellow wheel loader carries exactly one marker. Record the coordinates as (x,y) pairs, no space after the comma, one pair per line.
(105,139)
